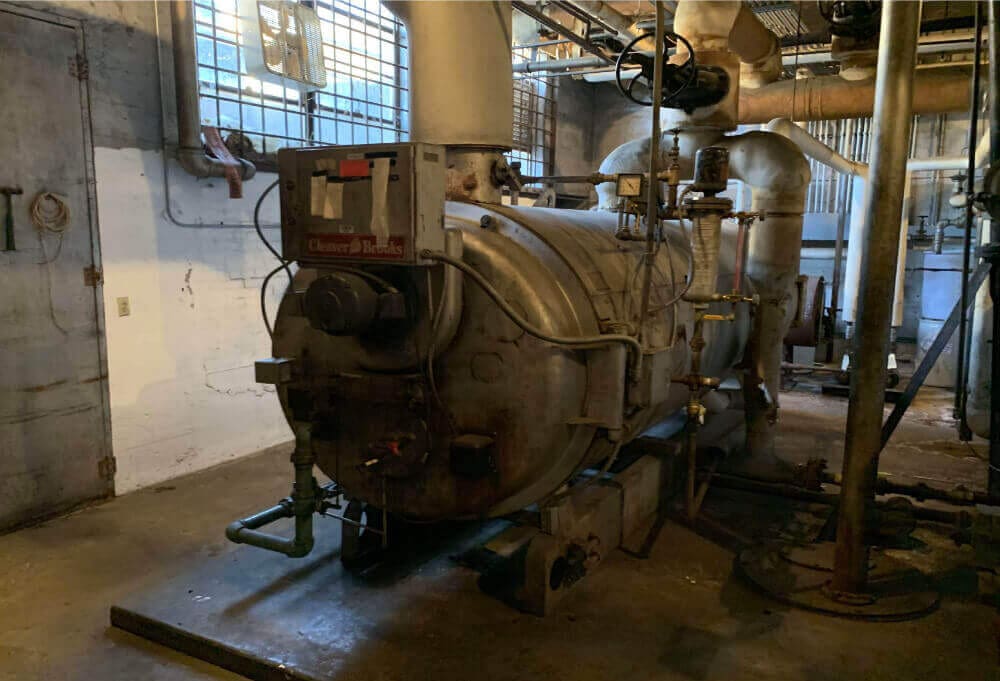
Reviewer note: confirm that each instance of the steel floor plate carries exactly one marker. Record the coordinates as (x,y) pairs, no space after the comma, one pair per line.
(268,617)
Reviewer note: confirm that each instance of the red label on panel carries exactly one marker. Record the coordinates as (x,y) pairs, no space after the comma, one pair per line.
(358,246)
(354,167)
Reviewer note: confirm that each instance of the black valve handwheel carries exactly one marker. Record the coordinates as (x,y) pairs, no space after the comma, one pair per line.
(682,75)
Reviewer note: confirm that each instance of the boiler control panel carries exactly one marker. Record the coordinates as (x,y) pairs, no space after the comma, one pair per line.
(362,204)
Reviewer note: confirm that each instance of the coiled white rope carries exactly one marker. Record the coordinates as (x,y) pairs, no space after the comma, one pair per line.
(49,213)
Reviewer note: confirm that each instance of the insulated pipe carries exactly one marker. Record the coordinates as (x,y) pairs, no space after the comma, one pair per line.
(977,407)
(759,50)
(993,485)
(778,176)
(815,149)
(855,248)
(821,153)
(900,29)
(942,90)
(190,150)
(707,25)
(731,25)
(461,83)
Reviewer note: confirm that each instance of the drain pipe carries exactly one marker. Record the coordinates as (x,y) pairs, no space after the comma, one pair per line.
(900,29)
(302,504)
(190,150)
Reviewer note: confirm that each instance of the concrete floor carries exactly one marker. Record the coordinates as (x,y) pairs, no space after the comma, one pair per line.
(681,614)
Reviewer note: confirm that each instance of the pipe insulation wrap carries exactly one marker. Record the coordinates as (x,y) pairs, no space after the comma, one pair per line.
(706,234)
(461,83)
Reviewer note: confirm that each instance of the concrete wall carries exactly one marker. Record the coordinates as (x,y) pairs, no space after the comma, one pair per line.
(183,396)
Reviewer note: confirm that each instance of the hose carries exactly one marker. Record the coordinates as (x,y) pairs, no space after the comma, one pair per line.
(580,342)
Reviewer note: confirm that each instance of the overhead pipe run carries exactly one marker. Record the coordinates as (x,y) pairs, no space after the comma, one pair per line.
(942,90)
(190,150)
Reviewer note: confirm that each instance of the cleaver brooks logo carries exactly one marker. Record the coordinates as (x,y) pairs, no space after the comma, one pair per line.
(355,246)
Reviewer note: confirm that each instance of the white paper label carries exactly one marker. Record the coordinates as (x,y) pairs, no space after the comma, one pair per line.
(317,194)
(380,192)
(333,204)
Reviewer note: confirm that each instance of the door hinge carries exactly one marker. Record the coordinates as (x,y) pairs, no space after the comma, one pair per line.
(107,467)
(79,68)
(92,276)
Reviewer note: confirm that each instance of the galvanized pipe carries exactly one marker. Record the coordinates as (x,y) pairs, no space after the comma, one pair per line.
(301,506)
(900,30)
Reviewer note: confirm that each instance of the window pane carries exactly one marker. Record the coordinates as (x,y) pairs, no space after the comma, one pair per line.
(366,99)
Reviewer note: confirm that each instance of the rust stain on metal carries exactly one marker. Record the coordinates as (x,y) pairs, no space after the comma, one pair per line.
(42,388)
(94,379)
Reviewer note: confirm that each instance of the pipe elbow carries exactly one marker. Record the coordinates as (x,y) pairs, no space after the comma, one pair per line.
(234,531)
(197,164)
(300,548)
(707,24)
(774,167)
(815,149)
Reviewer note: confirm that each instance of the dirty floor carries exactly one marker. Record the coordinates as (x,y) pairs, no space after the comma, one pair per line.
(681,614)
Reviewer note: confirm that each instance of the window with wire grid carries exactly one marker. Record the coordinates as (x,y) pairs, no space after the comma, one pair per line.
(534,117)
(366,98)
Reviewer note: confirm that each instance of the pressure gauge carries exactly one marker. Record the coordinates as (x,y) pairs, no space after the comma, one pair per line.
(628,185)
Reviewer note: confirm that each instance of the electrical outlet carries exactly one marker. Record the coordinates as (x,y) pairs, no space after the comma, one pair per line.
(124,308)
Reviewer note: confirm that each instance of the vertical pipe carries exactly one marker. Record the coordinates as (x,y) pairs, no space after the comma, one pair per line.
(961,394)
(883,205)
(994,73)
(855,248)
(961,385)
(838,249)
(653,185)
(904,224)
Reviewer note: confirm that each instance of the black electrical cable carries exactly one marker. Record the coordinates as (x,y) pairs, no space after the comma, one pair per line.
(263,296)
(260,232)
(268,246)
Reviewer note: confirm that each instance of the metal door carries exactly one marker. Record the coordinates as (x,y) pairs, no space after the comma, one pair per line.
(54,421)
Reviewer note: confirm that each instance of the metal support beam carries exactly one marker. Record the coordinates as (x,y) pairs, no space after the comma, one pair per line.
(553,25)
(933,352)
(883,205)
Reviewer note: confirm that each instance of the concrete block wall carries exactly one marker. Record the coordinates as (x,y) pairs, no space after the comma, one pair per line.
(183,395)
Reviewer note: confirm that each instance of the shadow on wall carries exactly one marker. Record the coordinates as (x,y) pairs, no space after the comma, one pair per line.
(183,394)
